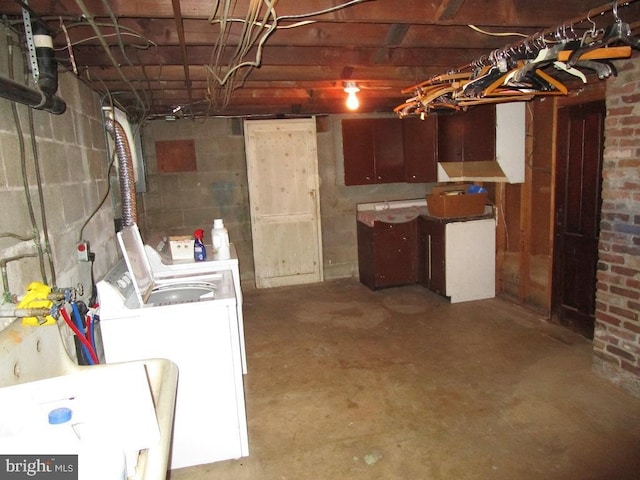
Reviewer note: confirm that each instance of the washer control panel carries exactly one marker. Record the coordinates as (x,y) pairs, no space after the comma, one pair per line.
(120,278)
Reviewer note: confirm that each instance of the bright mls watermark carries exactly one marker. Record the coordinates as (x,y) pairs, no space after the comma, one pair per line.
(38,467)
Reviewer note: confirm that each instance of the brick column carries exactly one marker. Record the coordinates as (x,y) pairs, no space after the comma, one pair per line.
(617,331)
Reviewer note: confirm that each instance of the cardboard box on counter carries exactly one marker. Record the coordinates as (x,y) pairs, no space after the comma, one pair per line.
(181,247)
(450,201)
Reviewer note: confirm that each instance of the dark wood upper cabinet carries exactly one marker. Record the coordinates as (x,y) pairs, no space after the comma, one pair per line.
(389,150)
(357,149)
(420,149)
(372,149)
(468,136)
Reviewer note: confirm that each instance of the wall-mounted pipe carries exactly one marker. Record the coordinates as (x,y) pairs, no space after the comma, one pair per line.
(42,98)
(7,311)
(6,296)
(20,93)
(125,172)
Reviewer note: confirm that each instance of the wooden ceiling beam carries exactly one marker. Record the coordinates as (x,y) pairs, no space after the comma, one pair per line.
(162,32)
(302,56)
(484,12)
(448,9)
(409,75)
(183,47)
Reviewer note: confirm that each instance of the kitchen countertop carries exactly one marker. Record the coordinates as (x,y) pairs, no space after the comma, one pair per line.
(387,212)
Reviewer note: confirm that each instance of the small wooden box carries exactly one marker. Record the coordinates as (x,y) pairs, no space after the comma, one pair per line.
(452,201)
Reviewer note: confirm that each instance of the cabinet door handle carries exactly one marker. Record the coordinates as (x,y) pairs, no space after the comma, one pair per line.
(429,256)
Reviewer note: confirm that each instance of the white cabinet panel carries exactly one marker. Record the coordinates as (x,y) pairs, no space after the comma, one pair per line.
(470,260)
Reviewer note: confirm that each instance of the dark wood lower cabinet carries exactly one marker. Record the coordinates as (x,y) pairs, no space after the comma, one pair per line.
(431,269)
(387,254)
(452,257)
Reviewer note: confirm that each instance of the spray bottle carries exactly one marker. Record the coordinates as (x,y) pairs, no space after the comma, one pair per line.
(199,251)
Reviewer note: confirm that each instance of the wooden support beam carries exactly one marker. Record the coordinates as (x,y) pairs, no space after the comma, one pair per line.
(177,13)
(448,9)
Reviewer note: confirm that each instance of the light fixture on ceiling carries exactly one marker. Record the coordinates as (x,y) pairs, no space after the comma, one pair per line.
(350,88)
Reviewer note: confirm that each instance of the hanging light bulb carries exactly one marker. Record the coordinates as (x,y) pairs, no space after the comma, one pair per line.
(350,88)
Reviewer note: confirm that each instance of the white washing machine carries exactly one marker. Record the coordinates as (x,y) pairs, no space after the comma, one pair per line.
(192,321)
(163,266)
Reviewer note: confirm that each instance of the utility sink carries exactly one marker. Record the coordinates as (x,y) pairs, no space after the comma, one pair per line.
(133,401)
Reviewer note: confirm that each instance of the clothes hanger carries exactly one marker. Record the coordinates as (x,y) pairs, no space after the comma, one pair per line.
(599,53)
(618,32)
(489,100)
(534,82)
(603,68)
(439,79)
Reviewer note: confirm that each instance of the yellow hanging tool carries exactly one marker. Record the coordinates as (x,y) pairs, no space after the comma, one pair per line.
(37,296)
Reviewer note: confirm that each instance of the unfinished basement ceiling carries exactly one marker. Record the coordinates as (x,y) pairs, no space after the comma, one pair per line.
(166,57)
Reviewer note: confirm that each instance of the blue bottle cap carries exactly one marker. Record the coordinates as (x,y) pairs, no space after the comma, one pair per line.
(60,415)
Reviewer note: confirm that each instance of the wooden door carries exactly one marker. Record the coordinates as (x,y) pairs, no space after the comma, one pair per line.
(282,170)
(577,212)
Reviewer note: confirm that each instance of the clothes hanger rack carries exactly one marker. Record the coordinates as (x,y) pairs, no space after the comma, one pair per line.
(532,66)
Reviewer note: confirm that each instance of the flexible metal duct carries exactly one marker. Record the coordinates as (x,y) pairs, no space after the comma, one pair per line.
(125,172)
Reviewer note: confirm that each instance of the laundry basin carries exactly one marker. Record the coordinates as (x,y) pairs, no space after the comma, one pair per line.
(35,364)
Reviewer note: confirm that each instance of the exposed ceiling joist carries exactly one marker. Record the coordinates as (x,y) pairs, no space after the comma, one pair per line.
(177,13)
(159,54)
(448,9)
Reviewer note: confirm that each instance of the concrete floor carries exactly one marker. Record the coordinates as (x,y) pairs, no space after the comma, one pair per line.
(346,383)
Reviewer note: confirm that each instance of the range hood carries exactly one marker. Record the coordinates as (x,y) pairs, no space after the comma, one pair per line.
(508,166)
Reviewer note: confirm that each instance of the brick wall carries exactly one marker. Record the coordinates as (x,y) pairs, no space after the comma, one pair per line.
(617,333)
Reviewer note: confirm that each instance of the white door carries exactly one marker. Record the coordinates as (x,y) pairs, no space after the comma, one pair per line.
(282,168)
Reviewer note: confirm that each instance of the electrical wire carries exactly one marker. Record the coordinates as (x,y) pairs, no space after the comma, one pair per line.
(23,163)
(497,34)
(254,34)
(43,210)
(142,105)
(104,198)
(107,35)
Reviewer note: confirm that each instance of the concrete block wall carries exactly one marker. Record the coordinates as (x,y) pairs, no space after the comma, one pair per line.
(178,203)
(617,333)
(73,169)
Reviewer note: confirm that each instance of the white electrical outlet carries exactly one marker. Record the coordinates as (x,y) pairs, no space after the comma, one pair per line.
(83,251)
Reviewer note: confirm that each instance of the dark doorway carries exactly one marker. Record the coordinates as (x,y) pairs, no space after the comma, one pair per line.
(577,214)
